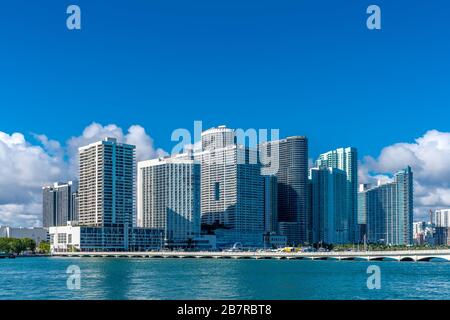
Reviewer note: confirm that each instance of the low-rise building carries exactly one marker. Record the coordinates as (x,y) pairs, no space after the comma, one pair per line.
(276,241)
(73,238)
(36,234)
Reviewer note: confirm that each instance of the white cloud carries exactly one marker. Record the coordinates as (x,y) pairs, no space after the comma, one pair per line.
(136,135)
(429,158)
(26,215)
(144,144)
(26,167)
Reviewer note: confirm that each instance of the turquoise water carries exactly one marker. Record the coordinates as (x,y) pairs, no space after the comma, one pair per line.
(116,278)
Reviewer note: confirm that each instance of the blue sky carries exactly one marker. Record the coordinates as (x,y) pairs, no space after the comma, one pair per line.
(305,67)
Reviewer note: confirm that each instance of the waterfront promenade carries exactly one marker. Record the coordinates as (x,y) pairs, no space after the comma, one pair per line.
(412,255)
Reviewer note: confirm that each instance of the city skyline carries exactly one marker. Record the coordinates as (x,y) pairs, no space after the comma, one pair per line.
(230,158)
(296,66)
(137,135)
(224,191)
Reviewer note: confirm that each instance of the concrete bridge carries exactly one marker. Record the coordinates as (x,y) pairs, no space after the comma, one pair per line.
(413,255)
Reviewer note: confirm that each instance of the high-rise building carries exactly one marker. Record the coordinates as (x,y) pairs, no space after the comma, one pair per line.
(362,212)
(232,189)
(291,155)
(442,236)
(441,218)
(106,209)
(58,204)
(389,210)
(168,198)
(75,206)
(328,203)
(346,159)
(270,205)
(217,138)
(107,184)
(405,187)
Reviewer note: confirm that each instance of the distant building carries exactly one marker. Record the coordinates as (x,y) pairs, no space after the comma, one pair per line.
(169,198)
(75,206)
(328,206)
(58,204)
(423,233)
(292,177)
(346,159)
(37,234)
(276,241)
(389,210)
(441,218)
(442,236)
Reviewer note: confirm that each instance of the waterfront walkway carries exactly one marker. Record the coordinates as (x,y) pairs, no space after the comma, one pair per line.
(413,255)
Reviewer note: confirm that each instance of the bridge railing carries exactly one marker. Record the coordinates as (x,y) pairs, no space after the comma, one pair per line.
(268,254)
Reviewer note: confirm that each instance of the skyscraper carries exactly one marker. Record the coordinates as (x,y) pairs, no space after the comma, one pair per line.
(106,188)
(106,209)
(217,138)
(346,159)
(270,204)
(441,218)
(329,218)
(58,205)
(169,198)
(389,210)
(405,182)
(75,206)
(292,179)
(232,189)
(362,212)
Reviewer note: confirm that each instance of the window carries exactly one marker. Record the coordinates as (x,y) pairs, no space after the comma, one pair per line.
(217,191)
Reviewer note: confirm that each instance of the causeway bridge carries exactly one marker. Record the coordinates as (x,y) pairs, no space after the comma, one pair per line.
(407,255)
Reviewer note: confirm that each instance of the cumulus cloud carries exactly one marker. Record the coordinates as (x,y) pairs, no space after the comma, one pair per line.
(26,166)
(145,146)
(136,135)
(429,157)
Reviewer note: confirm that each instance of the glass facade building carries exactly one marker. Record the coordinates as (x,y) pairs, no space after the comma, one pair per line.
(346,159)
(328,203)
(292,176)
(59,206)
(389,210)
